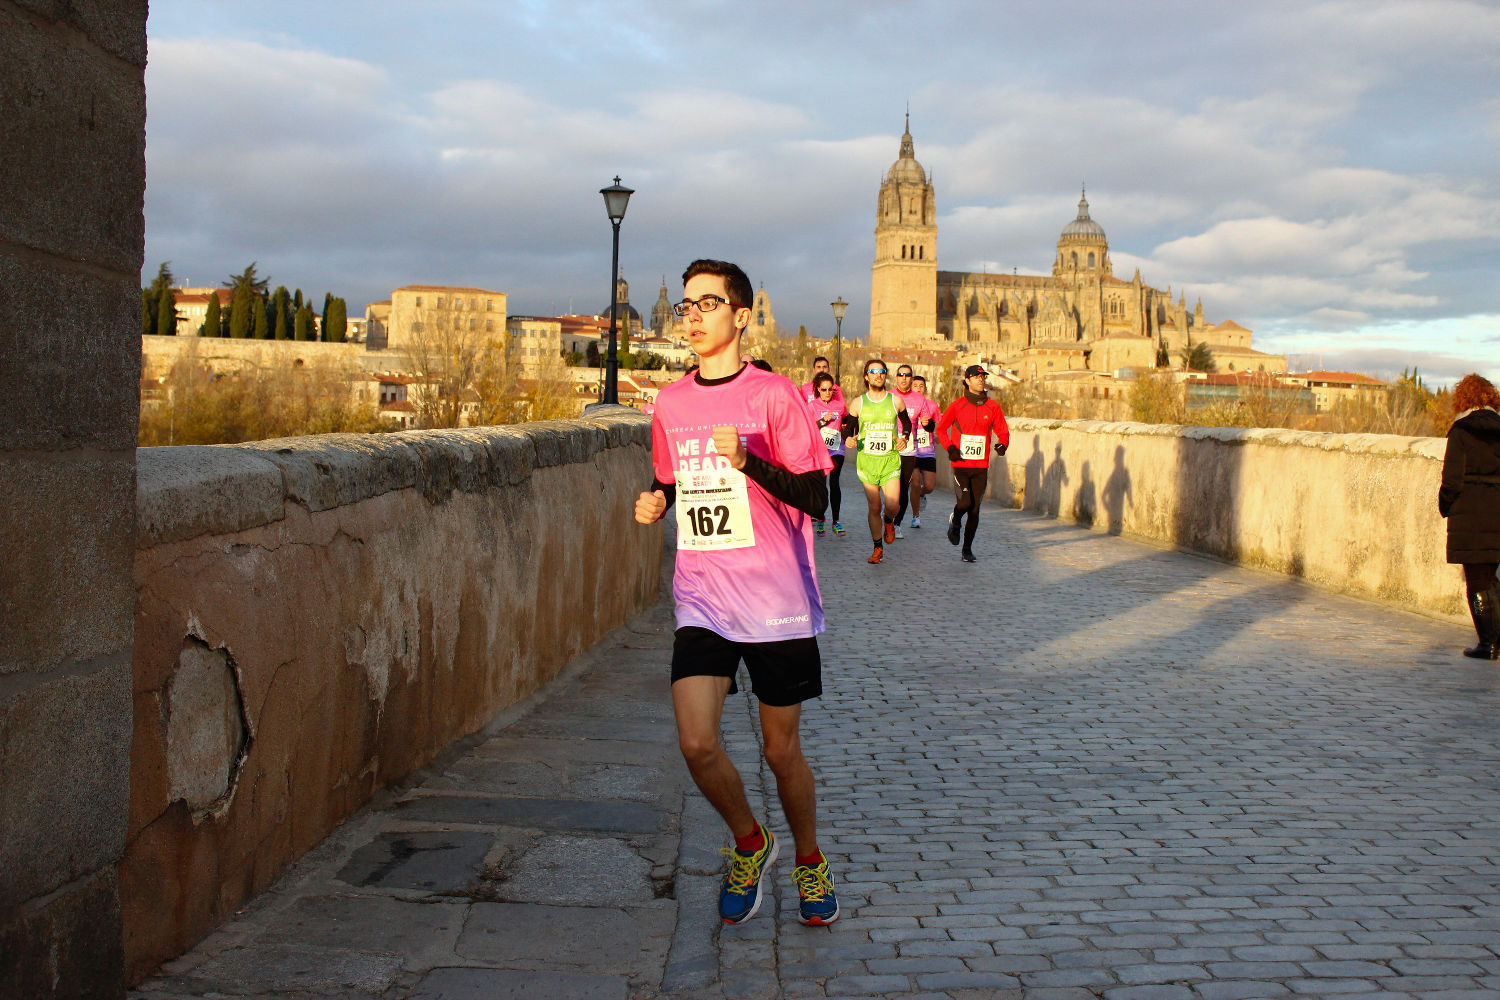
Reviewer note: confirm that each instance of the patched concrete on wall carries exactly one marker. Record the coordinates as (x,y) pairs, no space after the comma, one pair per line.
(357,602)
(1353,513)
(207,736)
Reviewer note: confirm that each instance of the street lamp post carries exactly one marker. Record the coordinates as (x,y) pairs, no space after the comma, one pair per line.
(839,308)
(615,199)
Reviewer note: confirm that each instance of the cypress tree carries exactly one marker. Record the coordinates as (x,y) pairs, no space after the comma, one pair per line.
(281,302)
(327,301)
(261,325)
(213,324)
(239,312)
(336,322)
(151,298)
(304,323)
(297,300)
(166,313)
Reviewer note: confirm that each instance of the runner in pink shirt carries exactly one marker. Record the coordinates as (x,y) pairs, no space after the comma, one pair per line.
(904,376)
(809,389)
(828,414)
(735,448)
(924,417)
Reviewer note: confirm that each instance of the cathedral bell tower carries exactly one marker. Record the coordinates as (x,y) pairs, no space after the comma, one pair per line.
(903,279)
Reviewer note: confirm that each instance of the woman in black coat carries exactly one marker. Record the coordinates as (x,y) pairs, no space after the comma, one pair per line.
(1470,500)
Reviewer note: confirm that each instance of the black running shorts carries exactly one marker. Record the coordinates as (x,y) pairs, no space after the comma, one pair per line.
(782,673)
(927,463)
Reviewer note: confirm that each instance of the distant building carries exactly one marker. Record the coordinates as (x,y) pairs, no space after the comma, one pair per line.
(192,307)
(1329,389)
(533,340)
(416,313)
(1079,318)
(661,313)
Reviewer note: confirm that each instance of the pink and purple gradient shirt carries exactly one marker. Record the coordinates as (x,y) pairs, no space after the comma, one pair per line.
(828,416)
(768,591)
(923,408)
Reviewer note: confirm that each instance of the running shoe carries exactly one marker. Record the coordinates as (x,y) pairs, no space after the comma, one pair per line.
(968,556)
(818,528)
(818,905)
(877,555)
(744,886)
(890,532)
(899,533)
(916,522)
(952,530)
(838,527)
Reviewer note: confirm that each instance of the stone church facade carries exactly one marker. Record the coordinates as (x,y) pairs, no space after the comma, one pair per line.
(1080,317)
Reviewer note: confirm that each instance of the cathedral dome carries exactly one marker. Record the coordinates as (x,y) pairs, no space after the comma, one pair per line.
(1083,228)
(906,169)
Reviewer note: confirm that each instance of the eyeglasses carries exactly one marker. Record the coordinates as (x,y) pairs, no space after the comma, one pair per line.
(875,371)
(704,304)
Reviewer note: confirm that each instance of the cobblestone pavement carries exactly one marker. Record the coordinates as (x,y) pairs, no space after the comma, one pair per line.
(1082,767)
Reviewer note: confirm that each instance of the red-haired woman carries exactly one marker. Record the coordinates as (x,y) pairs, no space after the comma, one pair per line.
(1470,500)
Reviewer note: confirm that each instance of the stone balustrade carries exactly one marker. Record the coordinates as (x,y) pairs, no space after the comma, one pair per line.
(1354,513)
(318,617)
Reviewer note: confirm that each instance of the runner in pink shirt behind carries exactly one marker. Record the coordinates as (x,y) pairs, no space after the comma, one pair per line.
(734,447)
(809,389)
(924,416)
(904,376)
(828,413)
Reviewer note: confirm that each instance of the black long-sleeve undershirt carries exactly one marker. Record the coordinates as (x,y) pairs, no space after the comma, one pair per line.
(804,491)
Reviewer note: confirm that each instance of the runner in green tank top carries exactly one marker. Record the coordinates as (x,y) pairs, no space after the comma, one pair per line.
(878,425)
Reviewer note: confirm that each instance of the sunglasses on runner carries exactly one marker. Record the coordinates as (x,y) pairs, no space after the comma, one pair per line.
(875,371)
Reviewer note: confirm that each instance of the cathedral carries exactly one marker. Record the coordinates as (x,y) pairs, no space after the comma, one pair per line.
(1080,317)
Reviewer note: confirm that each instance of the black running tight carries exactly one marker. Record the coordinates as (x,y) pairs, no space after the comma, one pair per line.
(969,486)
(834,493)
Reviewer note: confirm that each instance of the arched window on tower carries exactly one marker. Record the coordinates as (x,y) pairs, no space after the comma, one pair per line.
(921,253)
(1091,259)
(903,251)
(1075,258)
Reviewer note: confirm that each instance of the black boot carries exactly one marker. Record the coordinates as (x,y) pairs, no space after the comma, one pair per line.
(1484,608)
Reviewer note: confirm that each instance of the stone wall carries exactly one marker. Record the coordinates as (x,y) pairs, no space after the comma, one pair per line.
(72,184)
(1354,513)
(224,354)
(318,617)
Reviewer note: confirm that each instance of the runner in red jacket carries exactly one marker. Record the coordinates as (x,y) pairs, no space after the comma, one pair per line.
(964,431)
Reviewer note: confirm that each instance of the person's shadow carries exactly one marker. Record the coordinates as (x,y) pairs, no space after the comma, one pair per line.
(1084,501)
(1053,481)
(1116,492)
(1032,498)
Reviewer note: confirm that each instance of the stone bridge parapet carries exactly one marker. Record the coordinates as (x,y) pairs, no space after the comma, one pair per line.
(1354,513)
(318,617)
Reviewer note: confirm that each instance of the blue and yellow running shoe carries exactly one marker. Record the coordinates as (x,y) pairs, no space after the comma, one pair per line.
(819,904)
(838,527)
(818,528)
(744,886)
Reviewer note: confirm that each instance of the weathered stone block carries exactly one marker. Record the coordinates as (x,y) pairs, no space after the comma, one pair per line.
(72,147)
(191,490)
(113,25)
(71,945)
(67,530)
(64,780)
(68,357)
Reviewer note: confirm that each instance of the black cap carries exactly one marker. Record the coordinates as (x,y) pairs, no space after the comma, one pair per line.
(973,370)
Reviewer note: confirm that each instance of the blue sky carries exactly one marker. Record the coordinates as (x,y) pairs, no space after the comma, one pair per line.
(1323,173)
